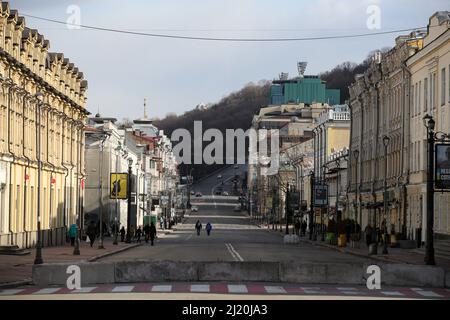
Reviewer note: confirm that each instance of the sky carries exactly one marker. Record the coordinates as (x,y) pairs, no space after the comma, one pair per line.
(175,75)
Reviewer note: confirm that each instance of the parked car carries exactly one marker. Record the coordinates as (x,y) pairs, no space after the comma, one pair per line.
(194,209)
(225,193)
(198,194)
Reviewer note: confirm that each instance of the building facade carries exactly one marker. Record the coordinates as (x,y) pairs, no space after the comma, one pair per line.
(380,106)
(430,94)
(42,112)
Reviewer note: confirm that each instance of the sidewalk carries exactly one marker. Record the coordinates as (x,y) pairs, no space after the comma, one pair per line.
(18,268)
(395,255)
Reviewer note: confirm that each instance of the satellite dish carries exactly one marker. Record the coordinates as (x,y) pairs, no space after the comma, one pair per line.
(301,66)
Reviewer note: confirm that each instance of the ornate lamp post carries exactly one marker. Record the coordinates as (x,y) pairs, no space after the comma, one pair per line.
(130,164)
(386,141)
(40,97)
(357,208)
(429,253)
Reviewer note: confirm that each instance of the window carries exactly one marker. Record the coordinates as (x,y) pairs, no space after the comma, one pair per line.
(433,92)
(442,86)
(425,95)
(419,99)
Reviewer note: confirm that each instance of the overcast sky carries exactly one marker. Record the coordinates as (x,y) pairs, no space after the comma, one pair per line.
(176,75)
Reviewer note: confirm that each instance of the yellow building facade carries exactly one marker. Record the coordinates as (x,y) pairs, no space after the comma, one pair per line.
(38,90)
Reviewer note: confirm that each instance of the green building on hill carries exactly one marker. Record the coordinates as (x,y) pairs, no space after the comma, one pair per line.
(307,89)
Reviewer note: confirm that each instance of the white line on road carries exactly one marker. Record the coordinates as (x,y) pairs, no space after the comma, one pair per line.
(47,291)
(162,288)
(123,289)
(200,288)
(237,288)
(233,252)
(275,289)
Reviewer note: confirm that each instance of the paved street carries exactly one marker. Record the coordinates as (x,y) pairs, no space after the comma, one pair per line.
(234,238)
(208,186)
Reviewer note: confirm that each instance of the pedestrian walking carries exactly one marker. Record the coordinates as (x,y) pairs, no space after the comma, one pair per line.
(147,232)
(161,223)
(73,231)
(139,234)
(304,226)
(91,232)
(368,232)
(208,228)
(198,227)
(152,233)
(297,227)
(122,234)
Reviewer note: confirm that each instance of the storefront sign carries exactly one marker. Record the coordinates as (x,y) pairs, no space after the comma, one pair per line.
(442,168)
(320,195)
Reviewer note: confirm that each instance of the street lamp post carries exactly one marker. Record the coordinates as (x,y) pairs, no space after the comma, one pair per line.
(38,258)
(311,213)
(356,155)
(429,253)
(100,182)
(386,141)
(130,163)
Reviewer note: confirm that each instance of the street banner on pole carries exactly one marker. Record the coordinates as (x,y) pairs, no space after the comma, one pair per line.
(320,195)
(118,186)
(442,167)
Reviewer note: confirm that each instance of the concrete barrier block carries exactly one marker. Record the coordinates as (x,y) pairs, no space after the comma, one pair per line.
(239,271)
(412,275)
(56,273)
(302,272)
(140,270)
(447,278)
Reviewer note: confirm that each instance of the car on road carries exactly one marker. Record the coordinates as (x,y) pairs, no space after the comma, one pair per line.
(198,194)
(237,208)
(194,209)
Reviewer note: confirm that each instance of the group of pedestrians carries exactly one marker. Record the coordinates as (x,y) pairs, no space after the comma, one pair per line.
(300,227)
(198,227)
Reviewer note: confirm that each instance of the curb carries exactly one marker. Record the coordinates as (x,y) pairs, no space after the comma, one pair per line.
(16,283)
(107,254)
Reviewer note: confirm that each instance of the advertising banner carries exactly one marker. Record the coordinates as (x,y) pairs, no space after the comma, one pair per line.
(442,167)
(118,186)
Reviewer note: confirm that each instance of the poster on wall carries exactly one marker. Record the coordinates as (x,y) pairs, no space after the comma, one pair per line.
(442,167)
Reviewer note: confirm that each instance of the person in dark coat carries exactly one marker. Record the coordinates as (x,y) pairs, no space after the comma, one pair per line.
(91,232)
(208,228)
(304,226)
(138,234)
(147,232)
(152,232)
(122,234)
(198,227)
(368,232)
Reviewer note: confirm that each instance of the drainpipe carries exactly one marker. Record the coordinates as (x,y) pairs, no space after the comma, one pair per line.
(53,172)
(11,153)
(63,138)
(26,169)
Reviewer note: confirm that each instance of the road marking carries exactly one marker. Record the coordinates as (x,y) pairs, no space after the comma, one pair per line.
(237,288)
(167,288)
(392,293)
(190,236)
(83,290)
(233,252)
(47,291)
(274,289)
(429,294)
(10,292)
(123,289)
(200,288)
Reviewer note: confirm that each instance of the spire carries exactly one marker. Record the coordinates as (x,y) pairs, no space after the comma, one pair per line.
(145,108)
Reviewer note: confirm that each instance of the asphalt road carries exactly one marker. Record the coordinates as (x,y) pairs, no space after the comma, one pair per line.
(210,184)
(234,238)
